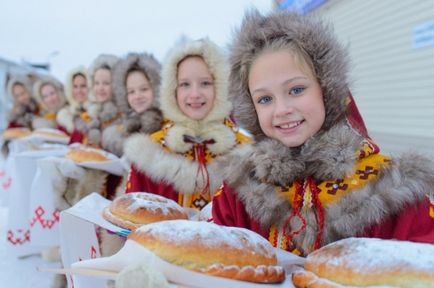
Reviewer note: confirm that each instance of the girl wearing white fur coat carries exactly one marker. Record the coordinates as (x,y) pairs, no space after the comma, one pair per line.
(76,92)
(136,81)
(310,178)
(178,161)
(48,92)
(102,111)
(25,107)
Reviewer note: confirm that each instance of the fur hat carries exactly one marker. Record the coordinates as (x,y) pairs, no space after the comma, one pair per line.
(143,62)
(81,70)
(328,57)
(216,61)
(56,84)
(19,79)
(103,60)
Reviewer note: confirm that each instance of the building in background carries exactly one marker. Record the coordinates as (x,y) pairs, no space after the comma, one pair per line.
(391,46)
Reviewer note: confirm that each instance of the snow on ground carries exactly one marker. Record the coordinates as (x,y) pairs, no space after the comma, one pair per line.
(21,273)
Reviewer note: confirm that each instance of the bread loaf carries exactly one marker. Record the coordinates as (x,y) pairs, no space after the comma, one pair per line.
(205,247)
(16,133)
(368,262)
(133,210)
(80,155)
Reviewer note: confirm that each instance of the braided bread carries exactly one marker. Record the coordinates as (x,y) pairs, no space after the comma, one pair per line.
(363,262)
(133,210)
(209,248)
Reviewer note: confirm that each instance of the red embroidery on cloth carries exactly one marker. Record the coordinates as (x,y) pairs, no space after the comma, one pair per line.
(7,184)
(19,240)
(45,223)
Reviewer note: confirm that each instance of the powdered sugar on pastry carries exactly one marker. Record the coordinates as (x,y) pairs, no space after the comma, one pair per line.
(210,234)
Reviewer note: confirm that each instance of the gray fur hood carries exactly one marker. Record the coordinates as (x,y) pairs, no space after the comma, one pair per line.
(329,59)
(143,62)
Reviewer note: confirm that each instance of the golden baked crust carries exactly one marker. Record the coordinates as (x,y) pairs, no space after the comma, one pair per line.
(133,210)
(15,133)
(199,245)
(258,274)
(79,155)
(48,133)
(369,261)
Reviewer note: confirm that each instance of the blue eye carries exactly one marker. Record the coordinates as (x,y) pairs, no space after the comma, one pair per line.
(264,99)
(297,90)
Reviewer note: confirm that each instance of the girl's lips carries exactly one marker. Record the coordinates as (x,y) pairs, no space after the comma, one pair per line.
(195,105)
(289,127)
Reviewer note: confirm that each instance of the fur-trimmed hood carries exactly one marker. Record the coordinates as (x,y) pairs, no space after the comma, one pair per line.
(143,62)
(216,61)
(59,89)
(81,70)
(103,60)
(329,59)
(19,79)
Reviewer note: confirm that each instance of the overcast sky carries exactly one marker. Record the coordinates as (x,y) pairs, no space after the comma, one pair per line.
(70,33)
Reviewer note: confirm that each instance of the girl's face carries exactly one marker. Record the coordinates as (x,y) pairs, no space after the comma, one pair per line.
(21,94)
(289,102)
(79,88)
(195,91)
(139,91)
(102,85)
(50,96)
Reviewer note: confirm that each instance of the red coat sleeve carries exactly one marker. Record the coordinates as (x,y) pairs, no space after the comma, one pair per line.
(76,137)
(140,182)
(413,224)
(228,210)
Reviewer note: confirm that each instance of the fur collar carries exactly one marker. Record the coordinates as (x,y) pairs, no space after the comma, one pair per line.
(223,136)
(161,166)
(253,171)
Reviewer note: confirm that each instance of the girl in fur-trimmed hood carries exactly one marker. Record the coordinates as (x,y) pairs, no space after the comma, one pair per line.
(48,93)
(177,161)
(25,106)
(77,97)
(136,81)
(102,112)
(311,178)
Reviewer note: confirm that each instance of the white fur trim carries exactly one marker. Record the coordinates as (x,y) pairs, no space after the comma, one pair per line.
(149,158)
(56,84)
(66,119)
(218,67)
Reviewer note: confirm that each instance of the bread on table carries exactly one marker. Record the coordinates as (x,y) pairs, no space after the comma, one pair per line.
(16,133)
(205,247)
(80,155)
(366,262)
(133,210)
(46,132)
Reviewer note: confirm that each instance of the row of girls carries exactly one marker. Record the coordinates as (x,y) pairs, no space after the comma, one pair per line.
(310,175)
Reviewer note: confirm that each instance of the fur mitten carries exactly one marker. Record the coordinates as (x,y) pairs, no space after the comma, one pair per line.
(113,139)
(94,137)
(109,111)
(132,124)
(141,275)
(151,120)
(80,124)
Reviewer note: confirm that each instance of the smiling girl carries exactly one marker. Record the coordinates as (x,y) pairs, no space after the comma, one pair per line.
(178,161)
(311,178)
